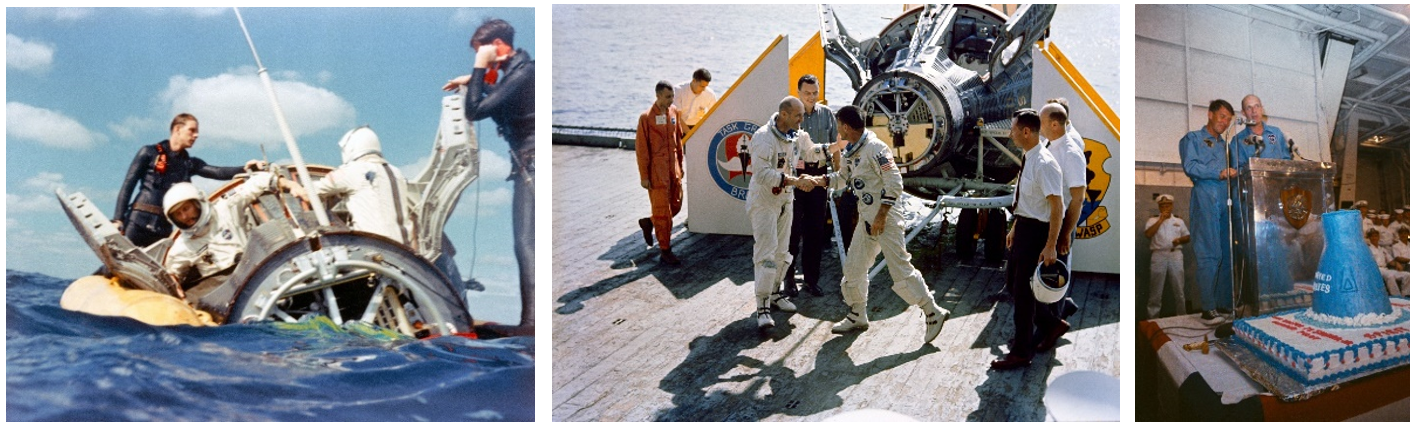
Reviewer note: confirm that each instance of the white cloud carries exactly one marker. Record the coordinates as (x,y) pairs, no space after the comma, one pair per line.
(30,203)
(494,166)
(37,194)
(324,77)
(46,181)
(494,198)
(236,108)
(204,12)
(48,127)
(132,126)
(57,13)
(27,56)
(469,16)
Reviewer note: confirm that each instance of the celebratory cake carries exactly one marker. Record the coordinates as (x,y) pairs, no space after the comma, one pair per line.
(1314,349)
(1352,329)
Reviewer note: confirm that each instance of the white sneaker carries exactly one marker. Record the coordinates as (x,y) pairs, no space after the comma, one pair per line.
(780,301)
(765,319)
(934,321)
(852,322)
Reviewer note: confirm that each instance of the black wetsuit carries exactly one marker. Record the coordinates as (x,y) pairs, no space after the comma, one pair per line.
(143,221)
(511,103)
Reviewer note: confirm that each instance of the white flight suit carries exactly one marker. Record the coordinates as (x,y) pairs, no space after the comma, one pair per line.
(216,247)
(376,196)
(774,156)
(868,167)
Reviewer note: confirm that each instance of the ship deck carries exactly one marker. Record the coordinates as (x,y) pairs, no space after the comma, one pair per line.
(636,341)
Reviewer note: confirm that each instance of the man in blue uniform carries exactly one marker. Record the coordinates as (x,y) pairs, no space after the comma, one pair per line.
(1203,159)
(1259,139)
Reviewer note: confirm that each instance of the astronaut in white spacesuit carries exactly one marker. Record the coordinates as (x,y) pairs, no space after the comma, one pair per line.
(375,193)
(776,149)
(868,167)
(213,234)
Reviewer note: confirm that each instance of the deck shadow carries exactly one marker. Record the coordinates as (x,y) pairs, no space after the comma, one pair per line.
(1015,395)
(1098,302)
(819,390)
(698,270)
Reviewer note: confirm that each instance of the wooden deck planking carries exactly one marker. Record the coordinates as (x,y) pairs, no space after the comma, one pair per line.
(687,348)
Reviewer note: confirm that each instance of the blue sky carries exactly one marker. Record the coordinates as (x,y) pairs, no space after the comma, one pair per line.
(85,88)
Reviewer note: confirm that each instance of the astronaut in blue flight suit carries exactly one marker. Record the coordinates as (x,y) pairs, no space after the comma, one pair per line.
(1270,143)
(1203,159)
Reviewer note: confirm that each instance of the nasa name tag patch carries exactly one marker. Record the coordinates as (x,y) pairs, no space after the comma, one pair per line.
(660,120)
(858,183)
(867,198)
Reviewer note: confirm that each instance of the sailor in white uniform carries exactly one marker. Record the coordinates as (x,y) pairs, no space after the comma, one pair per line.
(1168,233)
(1395,280)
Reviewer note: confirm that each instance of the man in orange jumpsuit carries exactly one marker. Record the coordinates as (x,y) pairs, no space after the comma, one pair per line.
(661,159)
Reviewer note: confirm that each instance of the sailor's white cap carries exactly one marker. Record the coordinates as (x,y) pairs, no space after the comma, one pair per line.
(1360,203)
(1165,198)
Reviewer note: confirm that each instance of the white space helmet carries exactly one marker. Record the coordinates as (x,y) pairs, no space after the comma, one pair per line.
(1050,282)
(359,142)
(182,192)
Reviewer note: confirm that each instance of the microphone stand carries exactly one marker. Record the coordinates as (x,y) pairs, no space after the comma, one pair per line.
(1236,280)
(1230,217)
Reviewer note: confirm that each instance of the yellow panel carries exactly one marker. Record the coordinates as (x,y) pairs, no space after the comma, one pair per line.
(811,58)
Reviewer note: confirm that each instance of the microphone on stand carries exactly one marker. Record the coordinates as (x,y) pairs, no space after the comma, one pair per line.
(1294,151)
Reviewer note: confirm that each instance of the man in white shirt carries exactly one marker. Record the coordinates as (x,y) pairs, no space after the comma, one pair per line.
(1038,218)
(694,98)
(1068,151)
(1167,233)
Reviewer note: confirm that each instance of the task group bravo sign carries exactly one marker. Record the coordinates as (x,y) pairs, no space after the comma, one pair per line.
(726,167)
(716,184)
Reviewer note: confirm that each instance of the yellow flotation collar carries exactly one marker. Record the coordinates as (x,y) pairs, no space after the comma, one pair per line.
(102,296)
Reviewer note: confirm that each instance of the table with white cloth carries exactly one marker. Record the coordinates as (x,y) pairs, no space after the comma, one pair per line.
(1196,386)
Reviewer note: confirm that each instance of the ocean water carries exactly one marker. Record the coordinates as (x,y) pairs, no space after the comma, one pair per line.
(67,366)
(607,58)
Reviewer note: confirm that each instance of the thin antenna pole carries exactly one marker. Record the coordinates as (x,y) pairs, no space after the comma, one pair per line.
(315,203)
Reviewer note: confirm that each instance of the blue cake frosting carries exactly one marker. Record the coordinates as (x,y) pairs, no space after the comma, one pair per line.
(1348,283)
